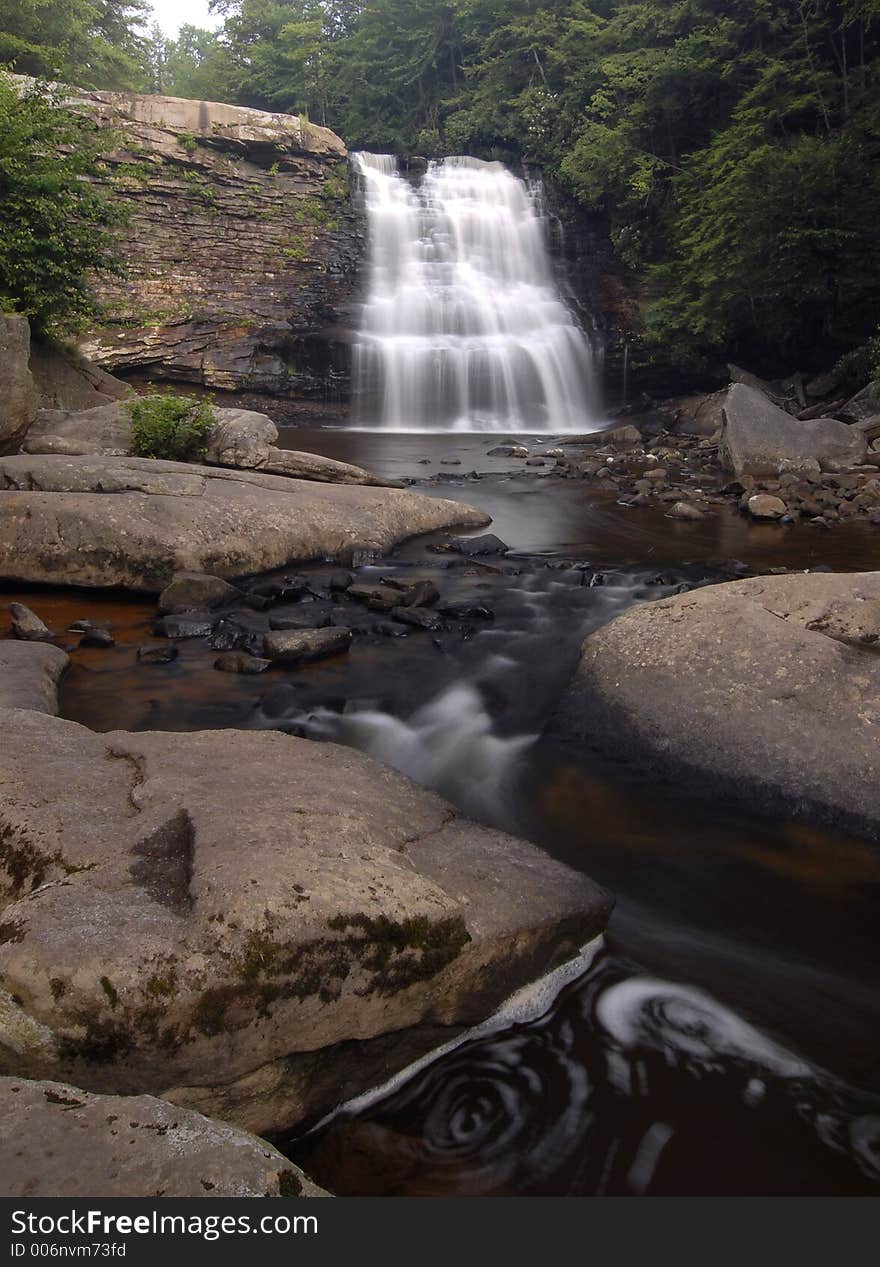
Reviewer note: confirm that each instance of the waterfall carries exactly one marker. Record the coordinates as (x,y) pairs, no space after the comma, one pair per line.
(463,328)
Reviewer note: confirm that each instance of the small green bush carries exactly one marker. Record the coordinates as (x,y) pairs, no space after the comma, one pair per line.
(171,427)
(862,365)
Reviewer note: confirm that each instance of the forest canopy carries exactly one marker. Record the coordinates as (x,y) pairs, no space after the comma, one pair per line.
(733,146)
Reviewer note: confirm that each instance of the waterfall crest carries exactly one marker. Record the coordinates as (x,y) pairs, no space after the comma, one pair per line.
(463,328)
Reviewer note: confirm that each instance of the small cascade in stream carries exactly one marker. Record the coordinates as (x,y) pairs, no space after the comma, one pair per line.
(464,328)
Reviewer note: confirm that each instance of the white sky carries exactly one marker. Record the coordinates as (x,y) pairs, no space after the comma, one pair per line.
(173,14)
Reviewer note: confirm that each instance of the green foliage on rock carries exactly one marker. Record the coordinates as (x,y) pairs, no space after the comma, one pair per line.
(56,226)
(174,428)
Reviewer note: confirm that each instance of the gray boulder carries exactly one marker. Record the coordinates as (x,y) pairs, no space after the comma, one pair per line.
(757,436)
(27,624)
(304,646)
(30,674)
(241,438)
(59,1141)
(18,397)
(865,405)
(768,687)
(59,525)
(249,924)
(309,466)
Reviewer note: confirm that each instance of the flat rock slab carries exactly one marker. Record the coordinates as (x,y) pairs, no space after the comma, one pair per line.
(59,1141)
(770,686)
(134,522)
(250,924)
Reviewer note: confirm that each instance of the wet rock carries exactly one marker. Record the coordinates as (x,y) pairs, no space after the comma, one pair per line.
(474,547)
(417,617)
(684,510)
(623,436)
(508,451)
(191,590)
(656,475)
(310,616)
(378,598)
(27,624)
(390,629)
(97,637)
(241,662)
(535,462)
(303,647)
(763,506)
(467,611)
(422,594)
(450,461)
(757,436)
(59,1141)
(746,684)
(30,674)
(79,626)
(340,581)
(157,653)
(185,625)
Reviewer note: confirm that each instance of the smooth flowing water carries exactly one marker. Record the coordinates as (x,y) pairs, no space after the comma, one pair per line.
(464,328)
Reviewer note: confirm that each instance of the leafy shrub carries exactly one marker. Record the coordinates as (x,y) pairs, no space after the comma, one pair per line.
(171,427)
(862,365)
(57,226)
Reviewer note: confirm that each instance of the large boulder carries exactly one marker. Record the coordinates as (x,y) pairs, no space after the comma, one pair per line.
(241,438)
(768,688)
(104,430)
(59,1141)
(250,924)
(864,406)
(18,397)
(134,522)
(310,466)
(757,436)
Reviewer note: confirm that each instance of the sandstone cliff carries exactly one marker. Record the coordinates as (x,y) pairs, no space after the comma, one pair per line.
(242,247)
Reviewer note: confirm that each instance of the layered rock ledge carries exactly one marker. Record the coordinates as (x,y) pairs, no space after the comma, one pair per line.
(134,522)
(249,924)
(768,689)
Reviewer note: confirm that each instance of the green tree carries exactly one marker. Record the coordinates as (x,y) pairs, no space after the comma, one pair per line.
(91,43)
(56,226)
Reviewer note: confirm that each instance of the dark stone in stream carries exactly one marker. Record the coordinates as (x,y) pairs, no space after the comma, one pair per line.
(97,638)
(257,602)
(157,653)
(230,635)
(473,547)
(466,611)
(305,646)
(186,625)
(422,594)
(418,617)
(307,618)
(27,624)
(240,662)
(79,626)
(337,582)
(377,597)
(390,629)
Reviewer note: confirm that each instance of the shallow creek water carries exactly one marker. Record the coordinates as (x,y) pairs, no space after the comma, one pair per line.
(725,1036)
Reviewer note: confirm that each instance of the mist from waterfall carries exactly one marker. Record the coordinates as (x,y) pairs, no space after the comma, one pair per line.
(463,327)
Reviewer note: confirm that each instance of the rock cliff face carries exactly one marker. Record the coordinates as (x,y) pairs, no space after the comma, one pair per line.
(242,247)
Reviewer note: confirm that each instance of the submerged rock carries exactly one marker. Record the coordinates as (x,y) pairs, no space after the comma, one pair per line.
(473,547)
(189,590)
(59,1141)
(749,684)
(241,662)
(157,653)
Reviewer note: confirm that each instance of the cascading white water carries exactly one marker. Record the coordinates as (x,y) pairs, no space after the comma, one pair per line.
(464,328)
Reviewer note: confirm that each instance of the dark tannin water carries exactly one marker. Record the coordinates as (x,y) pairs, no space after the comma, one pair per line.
(725,1038)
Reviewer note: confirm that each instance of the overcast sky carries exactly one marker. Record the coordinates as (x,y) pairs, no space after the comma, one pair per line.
(173,14)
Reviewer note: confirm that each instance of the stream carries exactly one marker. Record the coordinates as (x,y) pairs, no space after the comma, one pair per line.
(724,1038)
